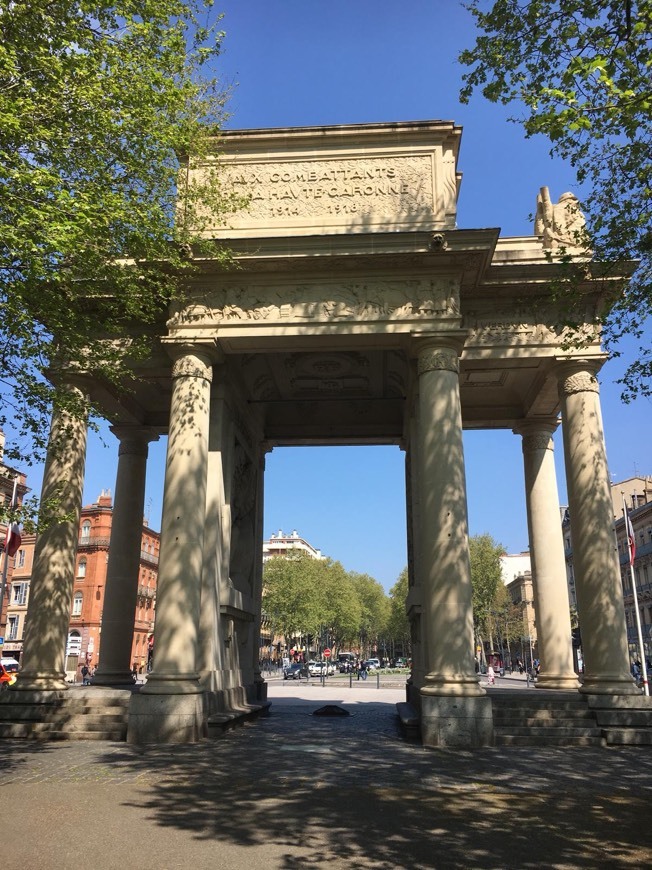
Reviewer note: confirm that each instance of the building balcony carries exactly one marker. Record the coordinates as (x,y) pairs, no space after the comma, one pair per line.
(89,542)
(146,592)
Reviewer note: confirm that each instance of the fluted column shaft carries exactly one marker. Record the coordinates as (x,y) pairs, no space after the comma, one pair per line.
(123,569)
(595,556)
(182,533)
(547,556)
(55,554)
(444,563)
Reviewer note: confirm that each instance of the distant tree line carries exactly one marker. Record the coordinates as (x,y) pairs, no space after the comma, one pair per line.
(318,600)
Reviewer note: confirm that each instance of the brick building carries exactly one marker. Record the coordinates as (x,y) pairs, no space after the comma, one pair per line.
(84,633)
(9,564)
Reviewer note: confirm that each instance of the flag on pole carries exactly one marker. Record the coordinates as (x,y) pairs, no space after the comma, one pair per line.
(631,539)
(13,540)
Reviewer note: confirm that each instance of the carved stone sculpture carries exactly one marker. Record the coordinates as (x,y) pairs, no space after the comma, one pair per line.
(561,224)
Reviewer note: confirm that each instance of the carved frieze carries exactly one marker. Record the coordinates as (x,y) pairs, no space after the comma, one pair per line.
(516,326)
(417,299)
(512,328)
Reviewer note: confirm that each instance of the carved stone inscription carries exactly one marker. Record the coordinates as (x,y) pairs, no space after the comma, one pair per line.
(357,187)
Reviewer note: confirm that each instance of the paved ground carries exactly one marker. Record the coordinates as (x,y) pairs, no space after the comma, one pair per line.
(299,791)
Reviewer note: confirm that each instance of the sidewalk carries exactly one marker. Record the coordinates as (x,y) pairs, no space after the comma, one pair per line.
(298,791)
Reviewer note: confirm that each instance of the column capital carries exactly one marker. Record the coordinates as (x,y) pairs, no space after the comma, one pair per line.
(445,339)
(578,375)
(439,351)
(193,359)
(133,438)
(537,434)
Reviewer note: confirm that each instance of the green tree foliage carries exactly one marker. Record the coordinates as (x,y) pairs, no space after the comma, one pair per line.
(398,628)
(291,594)
(100,105)
(505,619)
(374,609)
(304,596)
(486,578)
(341,606)
(581,73)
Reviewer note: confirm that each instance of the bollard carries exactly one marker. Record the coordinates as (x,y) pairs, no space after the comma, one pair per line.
(378,679)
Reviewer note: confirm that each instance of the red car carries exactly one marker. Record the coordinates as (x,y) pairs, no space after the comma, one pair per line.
(8,672)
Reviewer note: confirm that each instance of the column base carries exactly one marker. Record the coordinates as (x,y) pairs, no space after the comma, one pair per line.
(609,684)
(41,681)
(172,684)
(112,678)
(456,722)
(172,718)
(558,682)
(465,685)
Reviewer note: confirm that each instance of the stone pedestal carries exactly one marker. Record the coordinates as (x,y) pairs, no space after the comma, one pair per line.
(166,718)
(456,722)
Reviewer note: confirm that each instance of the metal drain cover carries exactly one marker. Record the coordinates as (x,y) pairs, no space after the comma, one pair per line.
(331,710)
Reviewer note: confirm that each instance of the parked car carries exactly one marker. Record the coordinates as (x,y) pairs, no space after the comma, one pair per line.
(316,669)
(293,672)
(372,664)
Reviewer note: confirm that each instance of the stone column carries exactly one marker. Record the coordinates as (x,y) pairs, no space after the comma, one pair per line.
(259,684)
(169,708)
(53,572)
(595,556)
(547,555)
(413,601)
(123,570)
(455,709)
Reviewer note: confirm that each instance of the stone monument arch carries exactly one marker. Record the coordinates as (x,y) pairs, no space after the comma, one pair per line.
(359,314)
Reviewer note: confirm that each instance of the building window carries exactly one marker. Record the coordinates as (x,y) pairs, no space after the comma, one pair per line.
(86,530)
(12,627)
(77,604)
(20,559)
(19,594)
(81,569)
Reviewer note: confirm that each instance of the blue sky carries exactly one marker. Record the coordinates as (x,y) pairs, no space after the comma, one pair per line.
(309,62)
